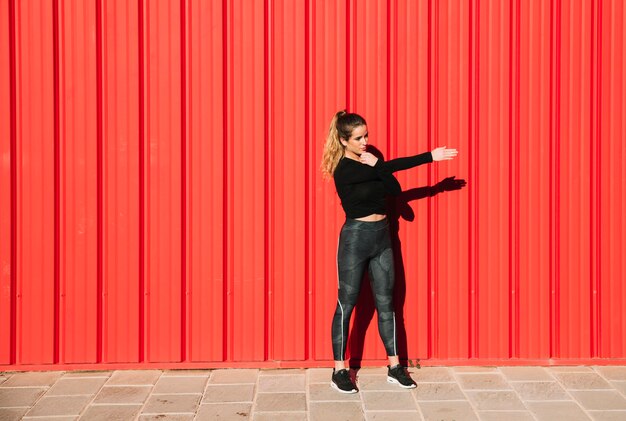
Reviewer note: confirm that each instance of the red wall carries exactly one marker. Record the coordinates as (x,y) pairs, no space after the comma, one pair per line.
(161,202)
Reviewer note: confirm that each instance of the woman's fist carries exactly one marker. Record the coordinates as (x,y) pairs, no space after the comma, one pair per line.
(368,158)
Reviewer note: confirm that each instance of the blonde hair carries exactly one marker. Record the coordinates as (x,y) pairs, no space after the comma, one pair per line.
(341,127)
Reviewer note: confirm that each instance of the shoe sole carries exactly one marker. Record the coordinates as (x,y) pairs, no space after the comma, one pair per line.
(394,381)
(334,386)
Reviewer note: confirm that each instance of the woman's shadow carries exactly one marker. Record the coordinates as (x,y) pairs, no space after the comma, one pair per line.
(398,207)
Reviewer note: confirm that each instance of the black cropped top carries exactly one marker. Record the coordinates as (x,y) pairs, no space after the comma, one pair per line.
(362,188)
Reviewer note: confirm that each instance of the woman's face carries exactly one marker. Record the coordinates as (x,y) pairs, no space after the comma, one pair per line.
(357,142)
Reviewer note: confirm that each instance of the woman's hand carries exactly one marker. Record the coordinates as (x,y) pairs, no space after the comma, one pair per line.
(368,158)
(441,153)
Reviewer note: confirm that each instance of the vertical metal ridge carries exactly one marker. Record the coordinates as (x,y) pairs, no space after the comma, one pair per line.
(142,271)
(56,136)
(13,160)
(470,139)
(433,209)
(349,63)
(511,338)
(592,189)
(595,191)
(557,160)
(551,191)
(224,183)
(473,194)
(392,77)
(555,41)
(511,294)
(183,189)
(267,178)
(99,187)
(598,251)
(517,179)
(388,81)
(514,182)
(307,190)
(227,307)
(433,324)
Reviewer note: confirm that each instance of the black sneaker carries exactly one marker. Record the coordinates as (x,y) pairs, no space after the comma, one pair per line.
(397,374)
(342,382)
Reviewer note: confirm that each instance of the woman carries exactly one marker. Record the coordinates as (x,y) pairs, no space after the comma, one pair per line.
(362,181)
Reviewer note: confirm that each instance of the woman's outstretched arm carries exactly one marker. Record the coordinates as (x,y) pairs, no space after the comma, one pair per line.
(404,163)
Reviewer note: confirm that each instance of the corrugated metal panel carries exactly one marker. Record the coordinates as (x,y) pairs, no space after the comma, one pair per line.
(161,201)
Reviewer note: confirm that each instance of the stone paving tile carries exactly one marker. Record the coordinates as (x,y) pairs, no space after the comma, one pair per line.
(167,417)
(378,401)
(620,386)
(526,374)
(173,384)
(283,383)
(612,372)
(76,386)
(448,411)
(438,392)
(493,399)
(393,416)
(34,378)
(345,411)
(505,415)
(280,402)
(60,418)
(134,377)
(432,374)
(570,369)
(319,375)
(3,379)
(323,392)
(110,412)
(608,415)
(158,404)
(186,373)
(551,411)
(540,391)
(374,371)
(20,396)
(234,375)
(123,394)
(473,369)
(279,416)
(224,412)
(583,381)
(600,399)
(375,382)
(483,381)
(282,371)
(12,414)
(229,393)
(88,373)
(59,405)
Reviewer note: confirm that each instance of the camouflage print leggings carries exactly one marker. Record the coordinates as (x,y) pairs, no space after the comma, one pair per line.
(364,245)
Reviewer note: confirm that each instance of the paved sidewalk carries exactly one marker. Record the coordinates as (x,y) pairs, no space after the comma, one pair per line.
(443,393)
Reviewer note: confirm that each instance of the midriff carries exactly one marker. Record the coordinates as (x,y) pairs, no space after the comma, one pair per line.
(372,218)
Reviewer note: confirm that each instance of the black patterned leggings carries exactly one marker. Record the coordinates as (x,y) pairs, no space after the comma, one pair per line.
(364,245)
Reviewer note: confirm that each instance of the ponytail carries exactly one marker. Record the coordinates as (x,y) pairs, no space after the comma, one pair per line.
(341,127)
(333,149)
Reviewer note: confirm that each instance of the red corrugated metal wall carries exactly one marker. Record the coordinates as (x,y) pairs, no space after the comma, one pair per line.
(161,201)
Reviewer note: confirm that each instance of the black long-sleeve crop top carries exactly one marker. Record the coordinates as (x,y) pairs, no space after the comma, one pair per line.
(362,188)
